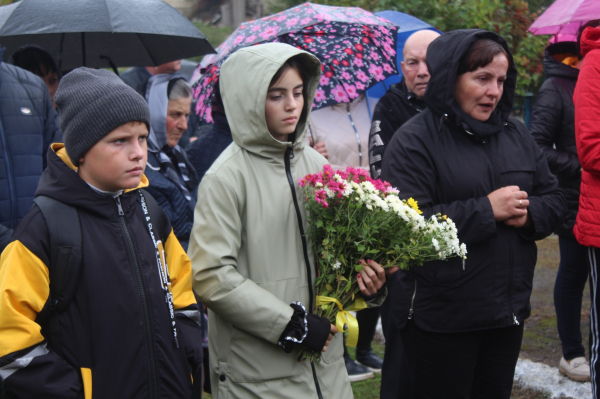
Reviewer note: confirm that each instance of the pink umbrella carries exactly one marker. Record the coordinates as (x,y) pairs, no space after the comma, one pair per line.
(566,17)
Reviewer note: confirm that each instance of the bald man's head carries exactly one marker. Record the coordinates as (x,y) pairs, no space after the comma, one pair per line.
(414,68)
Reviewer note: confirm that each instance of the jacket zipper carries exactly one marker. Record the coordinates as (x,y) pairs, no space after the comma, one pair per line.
(289,153)
(9,178)
(510,265)
(147,326)
(514,318)
(412,302)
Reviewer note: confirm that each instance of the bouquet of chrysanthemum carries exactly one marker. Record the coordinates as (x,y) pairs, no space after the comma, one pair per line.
(353,217)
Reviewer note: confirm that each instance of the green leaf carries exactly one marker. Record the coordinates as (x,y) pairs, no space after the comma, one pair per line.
(358,267)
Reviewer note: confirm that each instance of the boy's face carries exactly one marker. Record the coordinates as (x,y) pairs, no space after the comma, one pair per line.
(118,160)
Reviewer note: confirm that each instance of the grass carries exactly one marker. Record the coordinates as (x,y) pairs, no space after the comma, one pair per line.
(214,34)
(368,389)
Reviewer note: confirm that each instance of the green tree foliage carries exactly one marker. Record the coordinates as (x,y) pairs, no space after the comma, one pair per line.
(509,18)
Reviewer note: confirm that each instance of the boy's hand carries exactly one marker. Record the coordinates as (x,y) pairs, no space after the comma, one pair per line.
(371,279)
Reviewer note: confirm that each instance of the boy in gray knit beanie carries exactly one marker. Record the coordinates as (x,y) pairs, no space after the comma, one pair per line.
(94,282)
(92,103)
(97,108)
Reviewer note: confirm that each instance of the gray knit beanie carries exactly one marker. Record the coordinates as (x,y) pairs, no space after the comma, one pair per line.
(92,103)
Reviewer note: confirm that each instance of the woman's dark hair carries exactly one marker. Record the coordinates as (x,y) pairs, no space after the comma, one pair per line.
(32,58)
(296,63)
(480,54)
(303,70)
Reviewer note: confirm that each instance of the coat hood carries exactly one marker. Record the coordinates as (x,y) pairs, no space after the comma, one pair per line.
(443,59)
(158,102)
(244,81)
(61,182)
(555,68)
(590,40)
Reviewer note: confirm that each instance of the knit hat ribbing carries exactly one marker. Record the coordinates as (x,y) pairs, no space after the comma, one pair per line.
(92,103)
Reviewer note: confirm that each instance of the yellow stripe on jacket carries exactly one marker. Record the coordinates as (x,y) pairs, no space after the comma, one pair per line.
(24,286)
(180,270)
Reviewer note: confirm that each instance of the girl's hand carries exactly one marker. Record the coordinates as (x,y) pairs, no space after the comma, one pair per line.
(332,332)
(371,279)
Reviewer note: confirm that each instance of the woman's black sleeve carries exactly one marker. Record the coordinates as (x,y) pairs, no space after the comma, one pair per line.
(546,128)
(547,203)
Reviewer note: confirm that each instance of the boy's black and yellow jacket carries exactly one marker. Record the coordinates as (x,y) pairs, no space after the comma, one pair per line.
(117,340)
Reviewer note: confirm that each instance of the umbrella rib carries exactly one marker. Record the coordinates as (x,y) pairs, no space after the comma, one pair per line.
(147,51)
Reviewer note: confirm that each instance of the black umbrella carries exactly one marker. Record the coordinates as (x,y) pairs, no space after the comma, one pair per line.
(102,33)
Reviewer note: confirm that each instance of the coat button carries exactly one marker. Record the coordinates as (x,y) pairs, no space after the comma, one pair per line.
(222,377)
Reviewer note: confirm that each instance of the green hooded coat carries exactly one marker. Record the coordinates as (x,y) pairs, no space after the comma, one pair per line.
(247,250)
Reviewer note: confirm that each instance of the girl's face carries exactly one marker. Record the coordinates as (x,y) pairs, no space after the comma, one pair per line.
(284,104)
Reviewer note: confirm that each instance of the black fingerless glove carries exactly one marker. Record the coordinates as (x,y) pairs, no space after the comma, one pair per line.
(305,328)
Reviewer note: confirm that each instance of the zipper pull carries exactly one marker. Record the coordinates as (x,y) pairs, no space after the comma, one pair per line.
(410,313)
(118,200)
(515,320)
(291,151)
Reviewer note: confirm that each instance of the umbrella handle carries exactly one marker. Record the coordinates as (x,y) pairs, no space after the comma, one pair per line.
(111,63)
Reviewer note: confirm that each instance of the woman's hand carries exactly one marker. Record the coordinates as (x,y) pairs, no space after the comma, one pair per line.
(321,149)
(509,202)
(332,332)
(518,221)
(371,279)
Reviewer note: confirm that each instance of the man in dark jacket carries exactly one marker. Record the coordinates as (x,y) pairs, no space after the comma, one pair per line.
(456,165)
(553,128)
(403,101)
(27,128)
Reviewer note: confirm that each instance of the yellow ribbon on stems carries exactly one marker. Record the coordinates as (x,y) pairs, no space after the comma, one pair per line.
(344,320)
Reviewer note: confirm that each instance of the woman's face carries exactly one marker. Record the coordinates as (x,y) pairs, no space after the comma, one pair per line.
(478,92)
(51,80)
(177,115)
(284,104)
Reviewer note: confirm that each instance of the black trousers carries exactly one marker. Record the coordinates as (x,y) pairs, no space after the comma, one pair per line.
(568,293)
(395,378)
(470,365)
(593,256)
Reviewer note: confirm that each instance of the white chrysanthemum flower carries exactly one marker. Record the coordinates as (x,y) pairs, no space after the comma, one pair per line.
(337,265)
(436,244)
(463,250)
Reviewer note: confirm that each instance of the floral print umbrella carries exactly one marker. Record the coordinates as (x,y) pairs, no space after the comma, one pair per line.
(357,49)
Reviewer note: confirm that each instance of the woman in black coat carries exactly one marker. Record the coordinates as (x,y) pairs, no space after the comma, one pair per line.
(553,128)
(465,157)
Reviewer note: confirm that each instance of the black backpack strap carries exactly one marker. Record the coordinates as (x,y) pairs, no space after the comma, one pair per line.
(66,260)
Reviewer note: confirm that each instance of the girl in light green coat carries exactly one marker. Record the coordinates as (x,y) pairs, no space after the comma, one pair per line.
(252,266)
